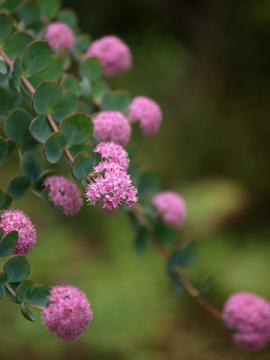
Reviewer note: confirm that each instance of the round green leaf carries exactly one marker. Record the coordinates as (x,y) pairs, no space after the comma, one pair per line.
(67,105)
(29,13)
(39,296)
(5,200)
(3,150)
(54,147)
(77,128)
(30,166)
(16,44)
(11,5)
(37,57)
(17,269)
(72,84)
(91,69)
(82,165)
(5,26)
(7,243)
(16,74)
(40,128)
(68,17)
(116,100)
(16,125)
(18,186)
(7,100)
(53,73)
(27,312)
(46,97)
(24,290)
(49,8)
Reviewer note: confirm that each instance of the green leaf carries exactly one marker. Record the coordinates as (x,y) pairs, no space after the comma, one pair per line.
(17,269)
(37,57)
(5,26)
(46,97)
(3,67)
(68,17)
(91,69)
(72,84)
(39,296)
(77,128)
(39,185)
(99,90)
(3,150)
(18,186)
(49,8)
(30,166)
(8,100)
(24,290)
(82,165)
(16,125)
(148,186)
(53,73)
(8,243)
(179,288)
(67,105)
(5,200)
(10,290)
(40,128)
(3,278)
(29,13)
(54,147)
(164,233)
(116,100)
(27,312)
(183,258)
(12,5)
(17,68)
(16,44)
(141,240)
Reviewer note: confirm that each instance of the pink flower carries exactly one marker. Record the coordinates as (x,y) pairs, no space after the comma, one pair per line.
(64,194)
(114,187)
(171,206)
(59,35)
(249,316)
(112,126)
(147,112)
(113,54)
(16,220)
(68,313)
(111,153)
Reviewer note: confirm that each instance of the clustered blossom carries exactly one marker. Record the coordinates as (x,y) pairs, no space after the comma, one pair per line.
(68,312)
(171,206)
(111,183)
(59,35)
(113,54)
(64,194)
(16,220)
(112,126)
(147,112)
(249,316)
(111,153)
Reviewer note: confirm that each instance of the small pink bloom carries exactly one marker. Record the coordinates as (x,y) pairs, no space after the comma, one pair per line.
(64,194)
(114,187)
(111,153)
(113,54)
(59,35)
(147,112)
(171,206)
(249,316)
(112,126)
(68,312)
(16,220)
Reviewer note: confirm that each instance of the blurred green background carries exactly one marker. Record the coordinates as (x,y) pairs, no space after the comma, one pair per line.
(208,65)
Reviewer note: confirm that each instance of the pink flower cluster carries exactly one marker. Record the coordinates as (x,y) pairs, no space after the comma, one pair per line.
(171,206)
(59,35)
(113,54)
(64,194)
(112,184)
(112,126)
(16,220)
(147,112)
(68,313)
(249,316)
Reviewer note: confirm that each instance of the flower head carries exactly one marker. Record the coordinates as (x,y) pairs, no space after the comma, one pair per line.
(114,187)
(59,35)
(16,220)
(171,206)
(249,316)
(68,312)
(111,153)
(112,126)
(147,112)
(113,54)
(64,194)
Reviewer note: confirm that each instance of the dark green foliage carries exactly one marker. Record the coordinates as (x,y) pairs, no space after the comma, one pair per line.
(17,269)
(7,243)
(18,186)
